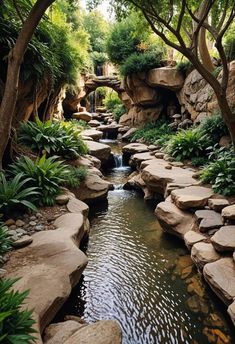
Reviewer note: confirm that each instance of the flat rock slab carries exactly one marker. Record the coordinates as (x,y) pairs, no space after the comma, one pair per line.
(218,204)
(50,267)
(221,277)
(228,213)
(224,239)
(157,177)
(93,133)
(191,197)
(85,116)
(172,219)
(133,148)
(23,241)
(77,206)
(136,159)
(192,237)
(101,332)
(203,253)
(99,150)
(208,219)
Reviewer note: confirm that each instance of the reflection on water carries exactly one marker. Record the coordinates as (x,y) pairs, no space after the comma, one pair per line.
(135,276)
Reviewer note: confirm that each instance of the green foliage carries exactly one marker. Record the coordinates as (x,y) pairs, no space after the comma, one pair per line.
(46,174)
(214,127)
(141,62)
(75,176)
(199,161)
(16,323)
(54,138)
(151,132)
(126,37)
(118,111)
(184,67)
(221,173)
(229,46)
(187,144)
(112,100)
(99,58)
(5,241)
(163,140)
(15,194)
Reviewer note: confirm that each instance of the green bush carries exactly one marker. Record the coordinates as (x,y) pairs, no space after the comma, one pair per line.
(47,174)
(5,241)
(15,195)
(229,47)
(118,111)
(199,161)
(184,67)
(152,132)
(141,62)
(214,127)
(75,176)
(111,101)
(53,138)
(187,144)
(16,323)
(163,140)
(221,173)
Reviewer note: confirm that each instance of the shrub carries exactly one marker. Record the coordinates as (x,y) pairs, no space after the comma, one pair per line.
(118,111)
(15,195)
(5,242)
(214,127)
(54,138)
(221,173)
(199,161)
(184,67)
(75,176)
(47,174)
(187,144)
(16,323)
(112,100)
(163,140)
(141,62)
(151,132)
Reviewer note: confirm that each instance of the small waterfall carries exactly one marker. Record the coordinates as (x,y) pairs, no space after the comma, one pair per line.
(118,160)
(92,101)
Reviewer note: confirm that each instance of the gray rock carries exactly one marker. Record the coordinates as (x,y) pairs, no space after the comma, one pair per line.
(33,218)
(21,231)
(218,204)
(159,155)
(62,199)
(33,223)
(224,239)
(210,223)
(12,232)
(39,215)
(22,242)
(39,228)
(12,227)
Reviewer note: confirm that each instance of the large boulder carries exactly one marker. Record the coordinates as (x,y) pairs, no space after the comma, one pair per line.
(166,77)
(221,277)
(191,197)
(138,115)
(101,332)
(172,219)
(224,239)
(53,256)
(60,332)
(92,189)
(133,148)
(228,213)
(99,150)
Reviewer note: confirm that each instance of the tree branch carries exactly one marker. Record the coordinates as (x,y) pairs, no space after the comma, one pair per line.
(18,11)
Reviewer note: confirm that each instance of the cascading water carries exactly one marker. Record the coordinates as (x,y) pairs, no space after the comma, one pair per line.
(92,101)
(118,160)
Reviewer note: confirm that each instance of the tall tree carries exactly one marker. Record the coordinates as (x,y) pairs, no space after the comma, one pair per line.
(171,20)
(15,59)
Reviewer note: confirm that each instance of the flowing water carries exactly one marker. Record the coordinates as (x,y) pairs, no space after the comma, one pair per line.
(134,275)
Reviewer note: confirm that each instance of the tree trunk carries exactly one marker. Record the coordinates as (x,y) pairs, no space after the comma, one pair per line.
(15,59)
(228,116)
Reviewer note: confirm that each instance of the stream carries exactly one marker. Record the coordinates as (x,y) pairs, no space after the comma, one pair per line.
(136,275)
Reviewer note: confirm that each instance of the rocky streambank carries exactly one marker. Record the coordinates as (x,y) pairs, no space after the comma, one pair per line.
(192,212)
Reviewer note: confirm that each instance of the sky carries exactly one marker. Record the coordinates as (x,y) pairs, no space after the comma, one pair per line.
(102,8)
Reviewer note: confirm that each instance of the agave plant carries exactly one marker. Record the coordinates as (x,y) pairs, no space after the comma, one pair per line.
(46,174)
(14,195)
(16,324)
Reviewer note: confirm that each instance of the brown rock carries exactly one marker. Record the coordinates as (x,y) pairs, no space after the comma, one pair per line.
(203,253)
(228,213)
(60,332)
(101,332)
(231,312)
(85,116)
(220,275)
(94,134)
(133,148)
(62,199)
(191,197)
(169,78)
(218,204)
(99,150)
(192,237)
(224,239)
(76,206)
(23,241)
